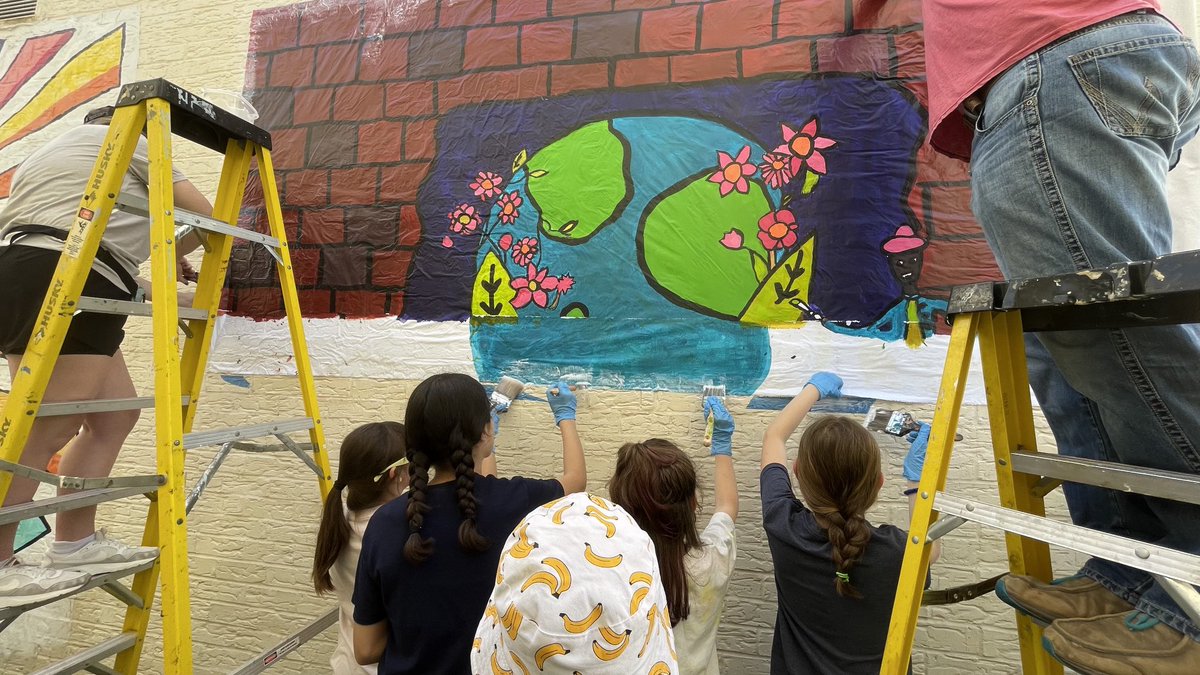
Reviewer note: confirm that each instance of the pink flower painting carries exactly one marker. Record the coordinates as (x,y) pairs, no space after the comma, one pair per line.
(447,242)
(565,282)
(524,250)
(487,185)
(732,240)
(805,146)
(533,287)
(732,172)
(778,230)
(464,219)
(506,241)
(509,207)
(777,169)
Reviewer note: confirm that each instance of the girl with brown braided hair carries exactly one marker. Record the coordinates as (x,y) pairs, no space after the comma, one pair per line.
(429,558)
(835,573)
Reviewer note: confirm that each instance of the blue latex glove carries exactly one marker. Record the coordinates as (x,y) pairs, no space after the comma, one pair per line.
(828,384)
(722,437)
(562,403)
(914,461)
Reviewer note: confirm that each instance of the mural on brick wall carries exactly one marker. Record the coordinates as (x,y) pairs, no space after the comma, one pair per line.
(53,73)
(658,196)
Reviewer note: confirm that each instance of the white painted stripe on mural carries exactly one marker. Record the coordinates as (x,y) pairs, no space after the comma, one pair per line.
(387,348)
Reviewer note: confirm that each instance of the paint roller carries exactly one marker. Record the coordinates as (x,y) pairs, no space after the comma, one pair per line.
(717,390)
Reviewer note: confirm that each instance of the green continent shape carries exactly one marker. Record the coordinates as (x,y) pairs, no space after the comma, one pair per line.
(682,252)
(492,293)
(766,309)
(580,183)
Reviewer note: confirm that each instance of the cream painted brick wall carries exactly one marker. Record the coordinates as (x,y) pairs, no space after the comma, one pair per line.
(251,535)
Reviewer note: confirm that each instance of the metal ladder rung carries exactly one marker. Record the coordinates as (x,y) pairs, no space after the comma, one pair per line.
(89,657)
(148,483)
(137,205)
(200,439)
(271,656)
(41,507)
(1141,480)
(95,582)
(130,308)
(100,406)
(1137,554)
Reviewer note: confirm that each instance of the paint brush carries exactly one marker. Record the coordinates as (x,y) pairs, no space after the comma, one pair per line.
(575,382)
(717,390)
(894,422)
(505,392)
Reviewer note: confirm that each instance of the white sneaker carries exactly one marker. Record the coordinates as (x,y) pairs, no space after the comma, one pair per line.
(22,584)
(101,555)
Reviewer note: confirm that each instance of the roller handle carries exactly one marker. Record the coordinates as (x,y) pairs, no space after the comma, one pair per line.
(708,429)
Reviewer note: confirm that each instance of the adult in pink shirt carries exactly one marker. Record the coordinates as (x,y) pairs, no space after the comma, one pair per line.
(1071,112)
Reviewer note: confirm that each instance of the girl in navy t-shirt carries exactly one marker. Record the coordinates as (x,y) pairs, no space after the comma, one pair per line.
(429,558)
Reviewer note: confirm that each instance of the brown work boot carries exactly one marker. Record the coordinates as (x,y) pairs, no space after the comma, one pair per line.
(1130,643)
(1076,597)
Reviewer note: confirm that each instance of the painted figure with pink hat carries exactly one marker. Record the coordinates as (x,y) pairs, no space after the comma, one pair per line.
(913,317)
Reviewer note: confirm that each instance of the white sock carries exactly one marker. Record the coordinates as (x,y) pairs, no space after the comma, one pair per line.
(69,547)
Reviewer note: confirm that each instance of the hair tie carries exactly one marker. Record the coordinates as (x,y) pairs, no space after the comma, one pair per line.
(339,484)
(843,576)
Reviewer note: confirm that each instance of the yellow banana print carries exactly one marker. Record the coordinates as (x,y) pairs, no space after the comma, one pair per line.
(610,529)
(660,668)
(582,625)
(652,617)
(491,611)
(612,637)
(541,578)
(641,578)
(609,654)
(666,621)
(599,560)
(520,664)
(564,574)
(476,644)
(548,652)
(601,503)
(496,669)
(523,547)
(512,621)
(557,518)
(636,601)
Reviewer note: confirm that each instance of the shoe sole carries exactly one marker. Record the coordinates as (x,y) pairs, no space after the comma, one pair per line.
(10,601)
(1049,647)
(100,568)
(1002,594)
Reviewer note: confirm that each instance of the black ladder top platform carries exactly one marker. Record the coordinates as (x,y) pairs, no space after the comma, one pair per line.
(1162,291)
(194,118)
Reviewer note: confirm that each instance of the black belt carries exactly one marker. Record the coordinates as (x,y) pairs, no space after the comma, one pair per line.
(948,596)
(102,254)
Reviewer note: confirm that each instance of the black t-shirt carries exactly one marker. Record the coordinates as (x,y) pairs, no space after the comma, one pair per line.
(817,631)
(432,609)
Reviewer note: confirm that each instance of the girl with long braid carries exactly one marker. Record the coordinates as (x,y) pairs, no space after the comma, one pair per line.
(835,572)
(429,558)
(371,473)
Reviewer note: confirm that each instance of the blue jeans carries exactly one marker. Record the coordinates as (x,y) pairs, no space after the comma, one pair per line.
(1068,173)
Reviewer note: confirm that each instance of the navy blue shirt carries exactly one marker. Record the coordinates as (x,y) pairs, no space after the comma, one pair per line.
(432,609)
(817,631)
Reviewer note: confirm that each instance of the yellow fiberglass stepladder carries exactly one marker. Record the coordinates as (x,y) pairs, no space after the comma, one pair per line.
(1162,291)
(161,109)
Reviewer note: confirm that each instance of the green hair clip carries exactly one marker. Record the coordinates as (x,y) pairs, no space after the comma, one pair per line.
(843,576)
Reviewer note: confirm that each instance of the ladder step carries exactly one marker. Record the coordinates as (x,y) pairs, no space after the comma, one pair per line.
(95,582)
(1137,554)
(1181,487)
(147,483)
(200,439)
(130,308)
(194,118)
(86,658)
(137,205)
(41,507)
(100,406)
